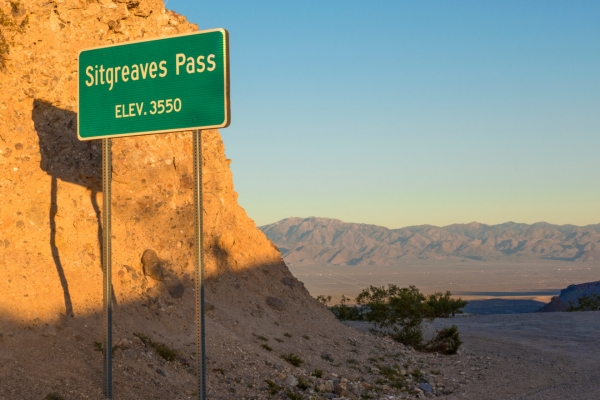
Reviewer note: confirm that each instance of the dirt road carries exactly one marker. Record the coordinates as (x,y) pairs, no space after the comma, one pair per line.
(533,356)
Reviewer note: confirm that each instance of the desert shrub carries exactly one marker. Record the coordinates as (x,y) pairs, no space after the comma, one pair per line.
(318,373)
(586,303)
(400,313)
(446,341)
(302,384)
(345,312)
(292,359)
(267,347)
(392,375)
(293,396)
(161,349)
(443,305)
(273,387)
(323,300)
(417,374)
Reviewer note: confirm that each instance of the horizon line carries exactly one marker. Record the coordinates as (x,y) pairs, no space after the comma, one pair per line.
(435,226)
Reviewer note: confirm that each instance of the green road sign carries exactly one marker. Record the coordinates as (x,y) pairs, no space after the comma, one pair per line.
(161,85)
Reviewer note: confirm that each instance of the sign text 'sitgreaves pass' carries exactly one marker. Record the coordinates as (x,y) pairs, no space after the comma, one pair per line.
(163,85)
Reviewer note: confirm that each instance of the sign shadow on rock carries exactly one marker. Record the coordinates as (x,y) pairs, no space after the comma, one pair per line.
(66,158)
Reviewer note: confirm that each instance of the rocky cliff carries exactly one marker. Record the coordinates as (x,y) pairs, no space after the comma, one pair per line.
(50,269)
(323,241)
(571,295)
(50,183)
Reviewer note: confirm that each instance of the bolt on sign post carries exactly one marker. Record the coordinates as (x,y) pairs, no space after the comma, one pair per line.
(154,86)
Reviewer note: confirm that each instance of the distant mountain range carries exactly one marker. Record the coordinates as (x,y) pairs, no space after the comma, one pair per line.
(323,241)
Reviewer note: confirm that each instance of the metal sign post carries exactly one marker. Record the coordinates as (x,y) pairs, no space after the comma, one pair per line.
(106,265)
(199,256)
(161,85)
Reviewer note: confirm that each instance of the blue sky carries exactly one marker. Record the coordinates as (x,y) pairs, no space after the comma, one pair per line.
(405,113)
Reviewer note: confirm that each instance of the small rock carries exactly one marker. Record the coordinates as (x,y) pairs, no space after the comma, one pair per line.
(152,265)
(288,282)
(347,394)
(337,389)
(291,380)
(326,387)
(275,303)
(426,387)
(160,372)
(208,307)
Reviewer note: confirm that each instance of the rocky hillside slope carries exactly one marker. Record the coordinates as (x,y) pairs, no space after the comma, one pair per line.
(50,270)
(323,241)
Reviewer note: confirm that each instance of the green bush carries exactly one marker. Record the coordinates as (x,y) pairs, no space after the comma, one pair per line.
(293,396)
(586,303)
(292,359)
(400,312)
(161,349)
(392,375)
(267,347)
(302,384)
(446,341)
(273,387)
(443,305)
(323,300)
(345,312)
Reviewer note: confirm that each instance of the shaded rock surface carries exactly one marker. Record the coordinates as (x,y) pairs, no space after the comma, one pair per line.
(571,295)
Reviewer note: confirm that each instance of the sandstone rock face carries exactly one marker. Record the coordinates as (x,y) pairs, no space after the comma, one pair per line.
(50,182)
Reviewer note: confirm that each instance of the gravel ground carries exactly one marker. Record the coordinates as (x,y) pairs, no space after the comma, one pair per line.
(531,356)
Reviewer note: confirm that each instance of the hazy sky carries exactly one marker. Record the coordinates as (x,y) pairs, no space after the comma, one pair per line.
(403,113)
